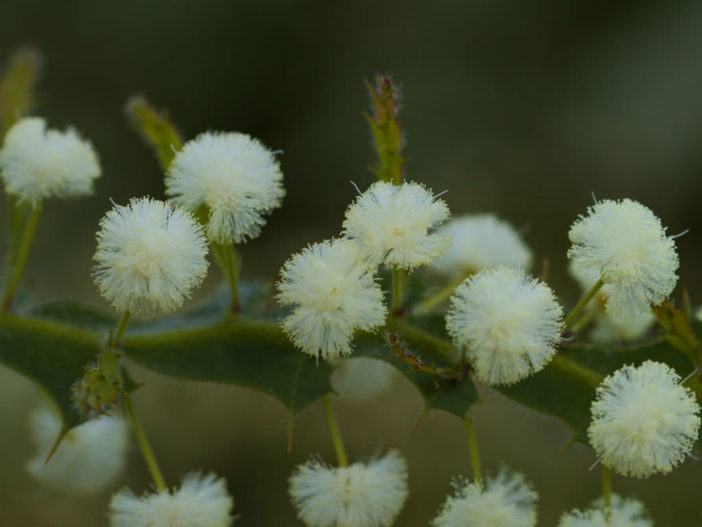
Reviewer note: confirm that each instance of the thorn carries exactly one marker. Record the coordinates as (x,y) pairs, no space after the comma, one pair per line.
(594,198)
(175,150)
(421,418)
(63,433)
(291,428)
(440,194)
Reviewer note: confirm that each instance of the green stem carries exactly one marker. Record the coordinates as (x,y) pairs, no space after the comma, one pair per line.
(336,435)
(427,305)
(22,255)
(146,451)
(607,491)
(584,301)
(399,278)
(576,371)
(473,446)
(585,320)
(228,261)
(119,330)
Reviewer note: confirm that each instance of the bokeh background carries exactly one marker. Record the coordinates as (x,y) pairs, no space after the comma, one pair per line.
(519,108)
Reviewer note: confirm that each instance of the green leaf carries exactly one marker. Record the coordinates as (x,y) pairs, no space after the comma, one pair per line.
(253,296)
(454,395)
(236,351)
(52,355)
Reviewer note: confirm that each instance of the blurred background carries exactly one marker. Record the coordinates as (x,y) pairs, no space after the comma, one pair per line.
(519,108)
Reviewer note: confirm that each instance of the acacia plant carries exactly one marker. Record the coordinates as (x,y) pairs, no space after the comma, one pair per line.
(347,313)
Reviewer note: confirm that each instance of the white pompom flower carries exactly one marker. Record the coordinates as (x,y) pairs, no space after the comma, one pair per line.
(623,512)
(361,495)
(201,501)
(482,241)
(234,176)
(150,255)
(627,245)
(510,324)
(395,224)
(643,420)
(90,457)
(334,293)
(37,163)
(358,379)
(508,500)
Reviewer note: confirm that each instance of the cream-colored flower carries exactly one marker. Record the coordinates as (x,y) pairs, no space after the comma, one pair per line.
(623,512)
(201,501)
(510,324)
(149,256)
(481,241)
(361,495)
(37,163)
(394,224)
(626,244)
(334,293)
(508,500)
(359,379)
(234,176)
(89,458)
(643,420)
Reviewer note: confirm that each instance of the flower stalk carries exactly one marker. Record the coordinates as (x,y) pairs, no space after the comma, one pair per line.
(473,447)
(335,433)
(144,447)
(15,275)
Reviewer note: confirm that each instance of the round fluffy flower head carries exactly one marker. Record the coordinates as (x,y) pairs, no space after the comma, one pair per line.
(359,379)
(234,175)
(643,421)
(201,501)
(89,458)
(149,256)
(334,293)
(393,224)
(37,163)
(482,241)
(360,495)
(508,500)
(623,512)
(626,243)
(509,323)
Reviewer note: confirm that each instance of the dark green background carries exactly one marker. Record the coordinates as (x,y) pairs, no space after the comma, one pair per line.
(521,108)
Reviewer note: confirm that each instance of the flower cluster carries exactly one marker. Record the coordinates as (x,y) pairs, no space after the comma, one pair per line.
(394,224)
(149,256)
(481,241)
(201,501)
(627,245)
(89,458)
(510,324)
(507,500)
(234,176)
(643,421)
(362,494)
(334,292)
(623,512)
(37,163)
